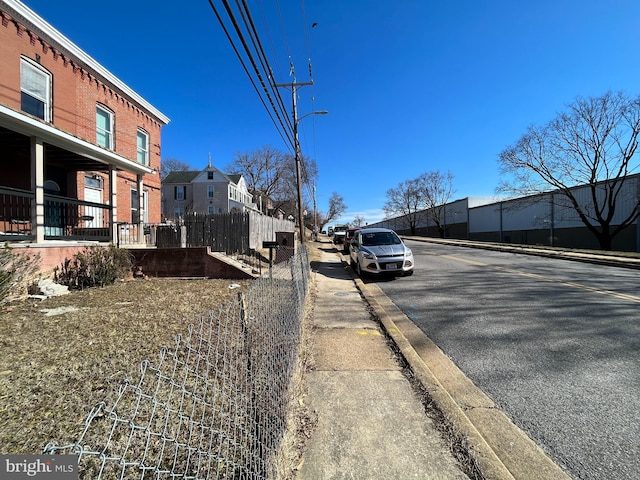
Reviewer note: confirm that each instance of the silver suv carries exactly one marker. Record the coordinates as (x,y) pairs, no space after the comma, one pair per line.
(380,251)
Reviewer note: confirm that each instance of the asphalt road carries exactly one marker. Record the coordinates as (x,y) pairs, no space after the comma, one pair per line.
(556,344)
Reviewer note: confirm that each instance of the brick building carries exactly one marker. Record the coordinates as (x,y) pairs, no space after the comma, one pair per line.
(80,150)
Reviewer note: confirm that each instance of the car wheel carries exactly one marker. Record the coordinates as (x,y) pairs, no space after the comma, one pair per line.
(358,269)
(352,263)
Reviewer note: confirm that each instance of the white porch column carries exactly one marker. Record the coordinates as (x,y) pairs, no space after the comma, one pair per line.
(37,185)
(113,192)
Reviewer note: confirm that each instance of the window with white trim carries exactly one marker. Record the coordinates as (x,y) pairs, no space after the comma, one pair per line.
(143,147)
(35,90)
(104,127)
(210,191)
(212,209)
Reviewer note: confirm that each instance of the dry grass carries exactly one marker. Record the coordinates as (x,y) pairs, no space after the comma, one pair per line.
(63,355)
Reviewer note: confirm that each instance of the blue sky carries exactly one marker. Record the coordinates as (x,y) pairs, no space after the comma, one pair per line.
(411,86)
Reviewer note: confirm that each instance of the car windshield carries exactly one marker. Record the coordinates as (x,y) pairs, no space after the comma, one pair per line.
(380,238)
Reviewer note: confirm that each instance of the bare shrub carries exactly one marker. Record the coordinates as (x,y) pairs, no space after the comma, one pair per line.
(16,271)
(94,267)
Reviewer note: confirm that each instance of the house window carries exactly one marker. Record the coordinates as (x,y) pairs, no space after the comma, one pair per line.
(212,209)
(135,211)
(143,147)
(210,191)
(178,212)
(94,181)
(180,193)
(35,90)
(209,175)
(104,128)
(136,208)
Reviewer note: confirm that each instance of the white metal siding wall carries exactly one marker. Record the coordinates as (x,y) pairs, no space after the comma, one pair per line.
(533,214)
(456,212)
(485,218)
(519,215)
(566,217)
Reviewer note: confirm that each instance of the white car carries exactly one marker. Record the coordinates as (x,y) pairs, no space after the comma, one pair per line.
(380,251)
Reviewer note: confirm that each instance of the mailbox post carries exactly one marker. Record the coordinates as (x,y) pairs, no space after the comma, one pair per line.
(271,246)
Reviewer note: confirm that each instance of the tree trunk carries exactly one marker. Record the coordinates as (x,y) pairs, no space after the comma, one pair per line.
(604,238)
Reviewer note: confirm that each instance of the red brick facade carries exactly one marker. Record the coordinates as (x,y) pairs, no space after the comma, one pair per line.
(76,91)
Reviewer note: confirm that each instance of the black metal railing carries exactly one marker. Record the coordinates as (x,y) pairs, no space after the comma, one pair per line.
(15,213)
(64,218)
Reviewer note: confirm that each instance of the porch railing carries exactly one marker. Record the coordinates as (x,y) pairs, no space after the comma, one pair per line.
(15,214)
(64,218)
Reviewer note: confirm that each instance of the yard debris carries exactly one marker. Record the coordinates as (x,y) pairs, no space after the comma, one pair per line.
(49,312)
(138,273)
(47,288)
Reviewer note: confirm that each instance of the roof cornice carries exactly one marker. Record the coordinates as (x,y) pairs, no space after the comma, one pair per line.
(22,13)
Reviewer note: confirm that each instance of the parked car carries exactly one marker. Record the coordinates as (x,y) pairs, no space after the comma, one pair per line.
(331,231)
(349,235)
(380,251)
(339,232)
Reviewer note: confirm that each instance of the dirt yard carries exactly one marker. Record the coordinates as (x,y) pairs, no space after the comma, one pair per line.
(62,355)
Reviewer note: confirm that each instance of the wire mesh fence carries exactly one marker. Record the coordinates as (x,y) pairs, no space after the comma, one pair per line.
(214,406)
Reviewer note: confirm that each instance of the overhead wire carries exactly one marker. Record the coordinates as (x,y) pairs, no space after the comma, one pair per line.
(256,65)
(250,25)
(285,132)
(257,45)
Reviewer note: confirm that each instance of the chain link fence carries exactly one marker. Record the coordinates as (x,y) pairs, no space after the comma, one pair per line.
(214,406)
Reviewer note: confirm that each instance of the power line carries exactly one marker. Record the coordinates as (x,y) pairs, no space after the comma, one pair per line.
(249,50)
(275,113)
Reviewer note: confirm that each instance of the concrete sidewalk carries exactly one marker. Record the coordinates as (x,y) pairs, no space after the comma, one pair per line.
(371,422)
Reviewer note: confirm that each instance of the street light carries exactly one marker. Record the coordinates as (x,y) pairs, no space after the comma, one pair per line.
(298,156)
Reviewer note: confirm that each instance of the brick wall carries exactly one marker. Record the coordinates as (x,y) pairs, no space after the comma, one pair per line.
(75,93)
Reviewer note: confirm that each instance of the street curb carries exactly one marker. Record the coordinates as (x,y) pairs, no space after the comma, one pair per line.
(595,258)
(500,449)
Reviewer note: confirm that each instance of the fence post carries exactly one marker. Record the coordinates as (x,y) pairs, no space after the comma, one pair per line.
(258,469)
(183,236)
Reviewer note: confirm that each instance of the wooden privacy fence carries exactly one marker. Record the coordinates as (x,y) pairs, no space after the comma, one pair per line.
(228,232)
(263,228)
(223,232)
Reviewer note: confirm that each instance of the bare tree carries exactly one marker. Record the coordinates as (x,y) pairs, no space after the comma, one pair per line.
(358,221)
(437,189)
(594,144)
(406,202)
(169,165)
(263,170)
(336,209)
(272,173)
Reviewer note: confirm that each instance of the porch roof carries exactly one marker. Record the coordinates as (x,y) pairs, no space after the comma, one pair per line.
(88,152)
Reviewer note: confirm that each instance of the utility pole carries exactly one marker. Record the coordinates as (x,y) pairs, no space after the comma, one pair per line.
(315,214)
(296,147)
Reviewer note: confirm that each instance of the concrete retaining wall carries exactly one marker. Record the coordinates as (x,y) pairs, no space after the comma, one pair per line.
(187,262)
